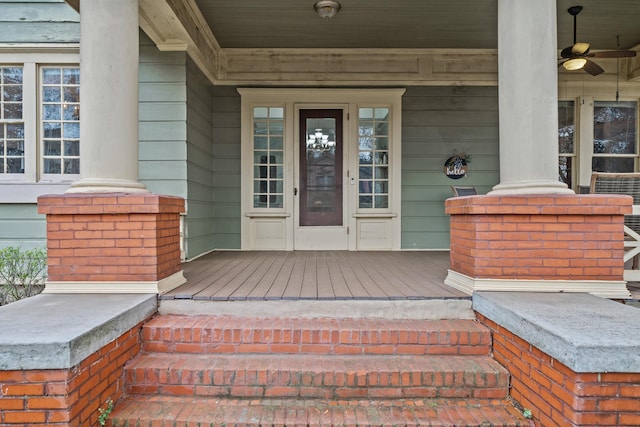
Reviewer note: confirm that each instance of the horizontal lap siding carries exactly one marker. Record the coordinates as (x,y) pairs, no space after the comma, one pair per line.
(437,121)
(163,118)
(38,22)
(199,225)
(22,226)
(226,167)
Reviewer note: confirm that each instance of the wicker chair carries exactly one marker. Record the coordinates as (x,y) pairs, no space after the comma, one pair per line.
(620,183)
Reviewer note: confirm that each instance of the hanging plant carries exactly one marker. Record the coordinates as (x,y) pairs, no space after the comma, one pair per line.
(456,166)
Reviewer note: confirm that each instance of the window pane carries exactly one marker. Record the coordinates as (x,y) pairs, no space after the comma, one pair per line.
(51,94)
(72,148)
(71,130)
(61,120)
(13,111)
(260,113)
(15,131)
(72,94)
(12,93)
(614,128)
(71,76)
(15,165)
(51,112)
(52,148)
(613,164)
(72,166)
(566,170)
(11,75)
(51,76)
(52,130)
(276,112)
(71,112)
(52,166)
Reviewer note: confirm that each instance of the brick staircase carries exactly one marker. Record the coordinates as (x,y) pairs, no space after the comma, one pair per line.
(205,370)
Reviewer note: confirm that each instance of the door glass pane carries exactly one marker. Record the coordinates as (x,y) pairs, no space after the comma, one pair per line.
(320,168)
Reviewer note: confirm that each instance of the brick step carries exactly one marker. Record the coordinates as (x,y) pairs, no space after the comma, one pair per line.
(317,376)
(143,411)
(227,334)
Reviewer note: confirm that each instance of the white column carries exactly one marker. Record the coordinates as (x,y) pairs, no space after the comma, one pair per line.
(109,97)
(528,98)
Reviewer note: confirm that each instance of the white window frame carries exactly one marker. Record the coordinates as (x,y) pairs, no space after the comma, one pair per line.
(573,156)
(27,187)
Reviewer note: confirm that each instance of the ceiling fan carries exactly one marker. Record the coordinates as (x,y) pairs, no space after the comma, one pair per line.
(575,57)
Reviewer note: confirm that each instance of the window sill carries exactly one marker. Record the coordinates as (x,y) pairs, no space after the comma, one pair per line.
(28,192)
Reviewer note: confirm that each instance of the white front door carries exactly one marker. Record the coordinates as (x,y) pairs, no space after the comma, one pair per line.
(320,220)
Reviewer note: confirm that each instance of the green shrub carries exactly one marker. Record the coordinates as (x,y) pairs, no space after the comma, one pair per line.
(22,273)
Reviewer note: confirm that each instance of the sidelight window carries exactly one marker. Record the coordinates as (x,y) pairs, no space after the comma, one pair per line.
(268,157)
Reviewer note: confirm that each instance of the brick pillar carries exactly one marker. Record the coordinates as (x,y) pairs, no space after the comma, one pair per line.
(554,242)
(112,242)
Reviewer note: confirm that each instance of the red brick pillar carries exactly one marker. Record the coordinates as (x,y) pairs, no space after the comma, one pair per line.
(112,242)
(570,243)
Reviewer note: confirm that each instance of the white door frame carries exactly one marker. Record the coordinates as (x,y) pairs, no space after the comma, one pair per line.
(275,228)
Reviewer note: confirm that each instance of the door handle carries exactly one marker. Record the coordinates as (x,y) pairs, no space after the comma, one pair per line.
(295,191)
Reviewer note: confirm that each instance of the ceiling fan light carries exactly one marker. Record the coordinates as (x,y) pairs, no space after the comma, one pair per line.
(574,64)
(327,8)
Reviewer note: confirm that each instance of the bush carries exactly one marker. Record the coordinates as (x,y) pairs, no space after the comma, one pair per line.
(22,273)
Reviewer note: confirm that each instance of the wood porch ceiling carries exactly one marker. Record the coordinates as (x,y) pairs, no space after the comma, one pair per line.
(316,275)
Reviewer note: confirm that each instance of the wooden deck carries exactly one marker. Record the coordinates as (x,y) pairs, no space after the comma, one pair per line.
(316,275)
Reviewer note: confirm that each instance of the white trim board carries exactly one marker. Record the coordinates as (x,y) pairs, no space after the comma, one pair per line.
(84,287)
(601,288)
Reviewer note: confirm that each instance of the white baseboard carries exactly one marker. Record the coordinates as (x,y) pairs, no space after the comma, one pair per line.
(602,288)
(154,287)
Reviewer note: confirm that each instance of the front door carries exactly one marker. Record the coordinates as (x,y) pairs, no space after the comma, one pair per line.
(320,221)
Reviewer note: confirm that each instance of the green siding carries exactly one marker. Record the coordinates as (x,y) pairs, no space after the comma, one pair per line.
(52,21)
(226,167)
(22,226)
(163,120)
(199,227)
(437,121)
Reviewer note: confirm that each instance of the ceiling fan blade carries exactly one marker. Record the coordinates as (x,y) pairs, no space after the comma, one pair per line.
(580,48)
(613,54)
(566,52)
(592,68)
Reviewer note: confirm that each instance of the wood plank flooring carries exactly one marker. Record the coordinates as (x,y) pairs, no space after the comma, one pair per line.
(316,275)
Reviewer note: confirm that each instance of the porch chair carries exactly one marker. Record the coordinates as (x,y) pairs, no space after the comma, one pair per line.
(463,191)
(620,183)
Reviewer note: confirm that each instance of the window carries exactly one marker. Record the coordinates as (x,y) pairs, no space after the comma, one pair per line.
(566,142)
(615,146)
(268,157)
(12,155)
(39,124)
(60,112)
(373,158)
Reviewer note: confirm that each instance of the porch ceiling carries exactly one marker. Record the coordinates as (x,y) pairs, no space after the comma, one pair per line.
(464,24)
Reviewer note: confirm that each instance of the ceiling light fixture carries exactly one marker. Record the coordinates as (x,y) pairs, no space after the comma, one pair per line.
(327,8)
(574,64)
